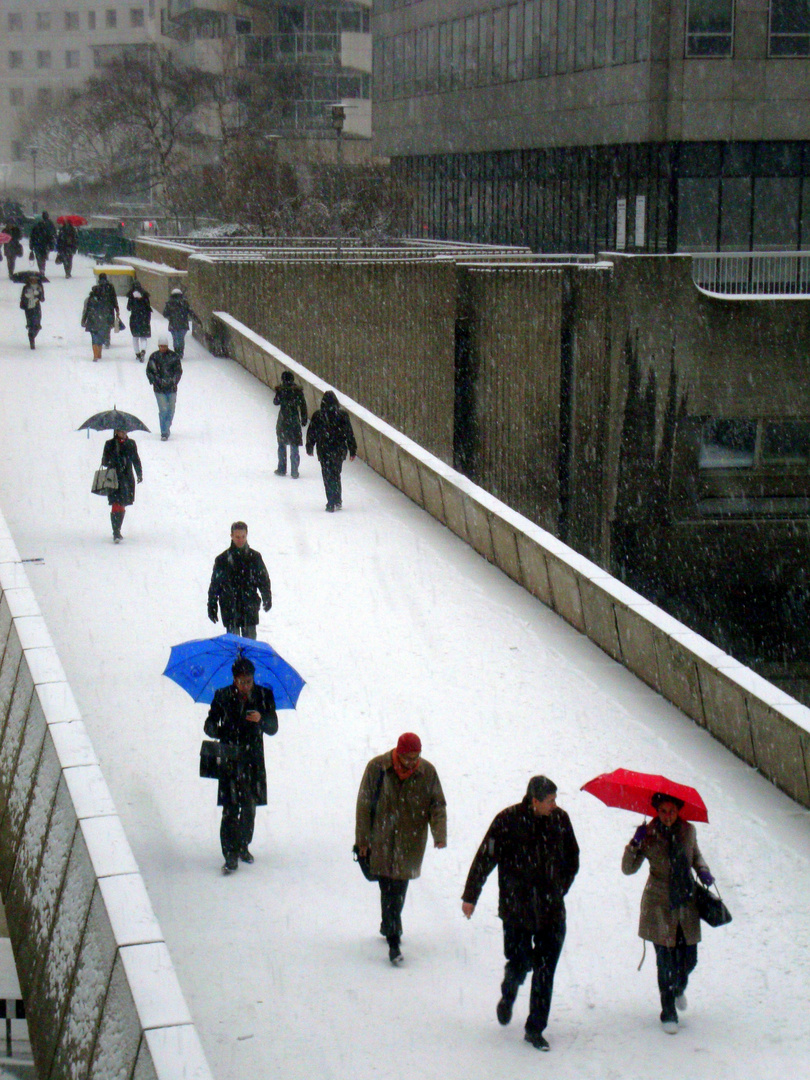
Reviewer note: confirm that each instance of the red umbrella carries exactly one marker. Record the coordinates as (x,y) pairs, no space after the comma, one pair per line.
(71,219)
(633,791)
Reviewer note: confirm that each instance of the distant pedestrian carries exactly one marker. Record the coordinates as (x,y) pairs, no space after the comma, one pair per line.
(400,797)
(110,296)
(42,240)
(534,847)
(140,319)
(178,311)
(121,454)
(13,248)
(31,299)
(669,916)
(239,584)
(98,317)
(164,371)
(292,417)
(331,431)
(239,715)
(67,244)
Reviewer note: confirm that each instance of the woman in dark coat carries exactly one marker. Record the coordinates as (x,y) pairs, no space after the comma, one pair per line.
(178,311)
(121,454)
(140,319)
(98,317)
(331,431)
(292,417)
(13,248)
(669,916)
(31,298)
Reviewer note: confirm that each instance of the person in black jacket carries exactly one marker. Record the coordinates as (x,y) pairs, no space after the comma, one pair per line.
(121,454)
(238,583)
(139,307)
(67,244)
(534,847)
(178,311)
(292,417)
(164,371)
(42,240)
(13,248)
(331,431)
(238,716)
(110,298)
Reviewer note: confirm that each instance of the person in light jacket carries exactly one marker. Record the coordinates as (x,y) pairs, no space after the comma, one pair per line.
(669,916)
(31,300)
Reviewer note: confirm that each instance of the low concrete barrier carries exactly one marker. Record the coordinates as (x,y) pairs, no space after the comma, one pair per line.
(102,999)
(754,719)
(157,278)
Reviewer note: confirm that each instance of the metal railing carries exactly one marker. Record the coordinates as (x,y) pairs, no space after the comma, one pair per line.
(753,274)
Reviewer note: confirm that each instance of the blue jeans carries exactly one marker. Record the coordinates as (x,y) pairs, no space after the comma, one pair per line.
(165,404)
(179,339)
(295,458)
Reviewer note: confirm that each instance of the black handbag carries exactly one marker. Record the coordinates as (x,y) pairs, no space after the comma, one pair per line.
(364,861)
(710,907)
(218,760)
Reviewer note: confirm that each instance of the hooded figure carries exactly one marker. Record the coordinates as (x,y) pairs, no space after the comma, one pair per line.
(292,417)
(331,431)
(178,312)
(140,319)
(98,316)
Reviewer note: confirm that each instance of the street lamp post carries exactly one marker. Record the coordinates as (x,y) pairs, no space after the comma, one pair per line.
(338,118)
(33,151)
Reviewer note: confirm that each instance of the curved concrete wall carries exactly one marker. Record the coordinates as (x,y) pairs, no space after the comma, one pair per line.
(102,999)
(754,719)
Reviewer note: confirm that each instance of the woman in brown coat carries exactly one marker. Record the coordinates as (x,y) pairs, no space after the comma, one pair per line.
(669,917)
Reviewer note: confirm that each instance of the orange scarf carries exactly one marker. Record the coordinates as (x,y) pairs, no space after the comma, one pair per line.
(402,772)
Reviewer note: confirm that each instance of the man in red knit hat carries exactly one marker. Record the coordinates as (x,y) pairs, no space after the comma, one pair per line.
(400,796)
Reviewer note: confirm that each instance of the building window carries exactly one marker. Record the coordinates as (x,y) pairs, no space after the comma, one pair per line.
(15,59)
(790,28)
(136,17)
(15,96)
(91,20)
(710,28)
(43,20)
(110,18)
(43,59)
(785,442)
(72,59)
(71,20)
(15,22)
(728,444)
(243,26)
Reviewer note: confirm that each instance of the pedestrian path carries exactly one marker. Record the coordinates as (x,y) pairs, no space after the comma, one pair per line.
(396,625)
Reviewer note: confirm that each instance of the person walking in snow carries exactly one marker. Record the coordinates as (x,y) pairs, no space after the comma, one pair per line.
(239,583)
(97,318)
(292,417)
(164,371)
(239,715)
(400,797)
(110,297)
(67,244)
(31,299)
(121,454)
(534,847)
(331,431)
(42,240)
(178,312)
(669,916)
(140,319)
(13,248)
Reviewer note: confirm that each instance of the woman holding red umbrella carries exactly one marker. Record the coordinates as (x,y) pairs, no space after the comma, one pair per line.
(669,915)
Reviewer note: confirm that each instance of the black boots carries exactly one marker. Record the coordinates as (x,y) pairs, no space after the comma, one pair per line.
(117,518)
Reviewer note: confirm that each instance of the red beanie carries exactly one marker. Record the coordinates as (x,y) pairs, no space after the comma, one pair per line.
(409,744)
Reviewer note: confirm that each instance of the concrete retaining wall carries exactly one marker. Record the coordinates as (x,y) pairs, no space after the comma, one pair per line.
(102,999)
(758,722)
(157,278)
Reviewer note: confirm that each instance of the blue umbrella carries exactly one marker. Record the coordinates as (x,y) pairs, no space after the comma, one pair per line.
(204,665)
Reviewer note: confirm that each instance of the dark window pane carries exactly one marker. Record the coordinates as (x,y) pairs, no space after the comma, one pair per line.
(790,17)
(776,212)
(735,224)
(728,444)
(697,214)
(787,440)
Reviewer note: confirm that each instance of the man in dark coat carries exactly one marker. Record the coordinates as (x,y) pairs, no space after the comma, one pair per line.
(534,847)
(178,311)
(238,583)
(110,298)
(42,240)
(331,431)
(164,371)
(238,716)
(66,245)
(292,417)
(13,248)
(121,454)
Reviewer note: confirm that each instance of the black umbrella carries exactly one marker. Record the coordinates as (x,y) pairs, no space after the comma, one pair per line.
(21,276)
(113,420)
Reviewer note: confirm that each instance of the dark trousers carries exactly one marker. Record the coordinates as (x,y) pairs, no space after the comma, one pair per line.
(67,262)
(12,262)
(242,631)
(537,951)
(236,830)
(33,320)
(392,901)
(295,458)
(330,470)
(42,261)
(674,968)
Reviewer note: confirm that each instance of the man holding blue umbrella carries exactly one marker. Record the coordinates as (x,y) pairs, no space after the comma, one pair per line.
(239,715)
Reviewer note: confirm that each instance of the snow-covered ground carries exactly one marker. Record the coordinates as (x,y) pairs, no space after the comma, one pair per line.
(396,625)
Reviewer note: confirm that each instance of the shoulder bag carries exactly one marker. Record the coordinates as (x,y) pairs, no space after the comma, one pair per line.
(104,480)
(711,908)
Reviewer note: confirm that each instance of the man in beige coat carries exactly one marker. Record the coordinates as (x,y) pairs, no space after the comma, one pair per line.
(400,797)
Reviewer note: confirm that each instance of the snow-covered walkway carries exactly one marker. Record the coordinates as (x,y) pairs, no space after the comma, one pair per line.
(396,625)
